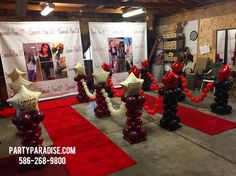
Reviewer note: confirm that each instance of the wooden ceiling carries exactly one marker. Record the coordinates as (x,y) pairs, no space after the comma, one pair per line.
(111,7)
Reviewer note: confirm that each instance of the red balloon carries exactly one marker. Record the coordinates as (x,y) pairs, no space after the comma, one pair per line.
(135,71)
(145,64)
(170,80)
(177,67)
(224,73)
(106,67)
(185,90)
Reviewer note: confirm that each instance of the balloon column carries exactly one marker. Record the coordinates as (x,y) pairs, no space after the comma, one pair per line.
(135,71)
(27,119)
(170,92)
(109,88)
(101,110)
(144,75)
(80,78)
(222,87)
(133,133)
(177,68)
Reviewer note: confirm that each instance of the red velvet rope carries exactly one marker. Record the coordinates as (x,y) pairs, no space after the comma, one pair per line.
(192,98)
(158,104)
(155,85)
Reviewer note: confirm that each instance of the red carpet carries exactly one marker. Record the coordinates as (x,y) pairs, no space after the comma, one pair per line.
(206,123)
(96,154)
(7,112)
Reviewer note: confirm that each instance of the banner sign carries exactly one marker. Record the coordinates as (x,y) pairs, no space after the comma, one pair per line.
(46,51)
(121,45)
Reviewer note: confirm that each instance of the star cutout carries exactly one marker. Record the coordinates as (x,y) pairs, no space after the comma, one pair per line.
(15,74)
(25,101)
(79,69)
(15,85)
(101,76)
(132,85)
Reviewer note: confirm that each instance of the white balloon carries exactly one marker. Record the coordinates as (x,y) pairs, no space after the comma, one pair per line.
(25,101)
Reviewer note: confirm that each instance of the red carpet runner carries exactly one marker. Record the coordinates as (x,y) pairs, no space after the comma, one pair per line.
(206,123)
(95,154)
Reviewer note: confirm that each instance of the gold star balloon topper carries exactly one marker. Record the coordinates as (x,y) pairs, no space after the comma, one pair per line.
(79,69)
(25,101)
(101,76)
(15,74)
(132,85)
(15,85)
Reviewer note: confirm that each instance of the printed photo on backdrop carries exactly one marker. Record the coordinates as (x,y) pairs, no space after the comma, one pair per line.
(120,54)
(44,62)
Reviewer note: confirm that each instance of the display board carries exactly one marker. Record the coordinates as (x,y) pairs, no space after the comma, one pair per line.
(122,45)
(191,35)
(46,51)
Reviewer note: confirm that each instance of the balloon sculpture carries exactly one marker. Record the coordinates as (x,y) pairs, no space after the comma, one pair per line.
(222,87)
(170,92)
(14,75)
(101,110)
(133,133)
(177,68)
(27,119)
(135,71)
(109,88)
(144,75)
(80,79)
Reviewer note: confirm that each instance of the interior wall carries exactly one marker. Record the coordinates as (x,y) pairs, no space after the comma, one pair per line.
(211,18)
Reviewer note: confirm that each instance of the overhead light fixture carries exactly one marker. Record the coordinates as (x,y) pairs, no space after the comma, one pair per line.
(133,13)
(48,9)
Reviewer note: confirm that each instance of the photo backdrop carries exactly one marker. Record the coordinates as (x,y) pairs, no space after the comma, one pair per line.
(119,44)
(46,51)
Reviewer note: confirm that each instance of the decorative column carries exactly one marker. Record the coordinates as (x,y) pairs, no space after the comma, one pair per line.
(80,78)
(100,76)
(222,88)
(108,88)
(133,133)
(27,120)
(170,93)
(177,68)
(144,75)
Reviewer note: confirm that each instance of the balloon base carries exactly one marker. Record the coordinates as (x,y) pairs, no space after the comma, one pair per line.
(170,124)
(82,96)
(169,119)
(134,133)
(101,110)
(221,110)
(220,106)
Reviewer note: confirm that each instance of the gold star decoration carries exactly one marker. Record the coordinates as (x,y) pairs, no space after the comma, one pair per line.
(25,101)
(79,69)
(15,74)
(101,76)
(132,85)
(15,85)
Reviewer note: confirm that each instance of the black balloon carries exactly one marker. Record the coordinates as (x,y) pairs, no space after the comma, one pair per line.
(170,120)
(220,105)
(147,81)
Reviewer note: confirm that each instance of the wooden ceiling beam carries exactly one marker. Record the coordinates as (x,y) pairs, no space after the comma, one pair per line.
(12,6)
(114,3)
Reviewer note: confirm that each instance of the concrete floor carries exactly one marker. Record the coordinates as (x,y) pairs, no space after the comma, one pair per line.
(184,152)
